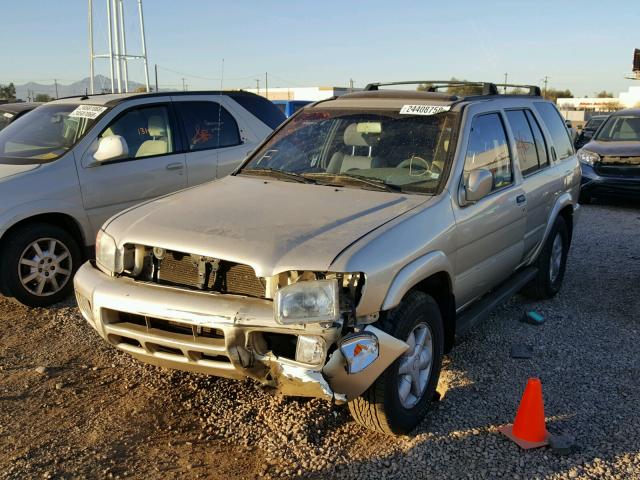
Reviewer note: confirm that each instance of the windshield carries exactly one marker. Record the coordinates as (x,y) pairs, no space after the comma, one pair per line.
(594,123)
(620,128)
(403,152)
(47,132)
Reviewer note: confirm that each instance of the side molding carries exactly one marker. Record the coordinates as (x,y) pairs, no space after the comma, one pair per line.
(413,273)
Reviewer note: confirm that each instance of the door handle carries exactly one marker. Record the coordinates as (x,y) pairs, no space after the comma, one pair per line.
(520,199)
(175,166)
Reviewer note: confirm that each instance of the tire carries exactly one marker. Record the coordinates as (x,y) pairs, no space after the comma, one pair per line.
(25,271)
(548,281)
(381,407)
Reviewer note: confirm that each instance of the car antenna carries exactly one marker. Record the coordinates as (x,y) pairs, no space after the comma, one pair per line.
(85,96)
(220,103)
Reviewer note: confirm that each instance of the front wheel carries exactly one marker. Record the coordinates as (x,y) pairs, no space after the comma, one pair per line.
(399,399)
(37,265)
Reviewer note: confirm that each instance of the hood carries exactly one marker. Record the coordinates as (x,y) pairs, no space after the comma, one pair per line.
(7,170)
(273,226)
(614,149)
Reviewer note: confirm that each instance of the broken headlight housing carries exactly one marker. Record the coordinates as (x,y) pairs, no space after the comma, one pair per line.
(108,255)
(307,302)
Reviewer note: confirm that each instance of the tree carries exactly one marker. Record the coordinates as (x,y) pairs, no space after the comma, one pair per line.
(8,92)
(553,94)
(43,97)
(604,94)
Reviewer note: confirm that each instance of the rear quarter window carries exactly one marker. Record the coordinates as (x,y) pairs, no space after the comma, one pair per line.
(557,129)
(260,108)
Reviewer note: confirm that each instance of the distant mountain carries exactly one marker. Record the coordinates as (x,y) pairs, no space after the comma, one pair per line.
(101,84)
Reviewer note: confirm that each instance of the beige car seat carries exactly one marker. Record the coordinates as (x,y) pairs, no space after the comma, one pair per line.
(159,143)
(343,162)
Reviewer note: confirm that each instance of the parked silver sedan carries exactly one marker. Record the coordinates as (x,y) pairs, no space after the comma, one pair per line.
(70,164)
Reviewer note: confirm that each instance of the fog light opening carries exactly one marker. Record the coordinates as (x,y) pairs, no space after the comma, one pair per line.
(310,349)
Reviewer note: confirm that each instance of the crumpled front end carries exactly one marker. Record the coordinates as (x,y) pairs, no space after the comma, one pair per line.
(231,335)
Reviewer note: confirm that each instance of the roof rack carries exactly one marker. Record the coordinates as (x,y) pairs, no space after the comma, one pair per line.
(488,88)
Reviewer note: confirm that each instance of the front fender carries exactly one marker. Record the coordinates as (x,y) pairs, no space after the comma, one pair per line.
(413,273)
(41,207)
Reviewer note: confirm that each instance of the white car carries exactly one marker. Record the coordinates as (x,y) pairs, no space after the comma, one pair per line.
(71,164)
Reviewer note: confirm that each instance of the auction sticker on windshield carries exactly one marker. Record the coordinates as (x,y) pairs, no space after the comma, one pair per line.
(424,109)
(87,111)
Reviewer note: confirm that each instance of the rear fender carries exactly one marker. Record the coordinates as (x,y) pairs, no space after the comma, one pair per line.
(563,201)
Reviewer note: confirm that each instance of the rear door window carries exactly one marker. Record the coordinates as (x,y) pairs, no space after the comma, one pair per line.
(557,129)
(541,145)
(525,143)
(488,149)
(208,125)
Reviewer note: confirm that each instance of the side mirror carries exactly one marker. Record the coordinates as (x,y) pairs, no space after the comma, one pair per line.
(478,185)
(113,147)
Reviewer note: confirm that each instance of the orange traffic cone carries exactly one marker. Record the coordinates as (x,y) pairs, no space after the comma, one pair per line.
(528,429)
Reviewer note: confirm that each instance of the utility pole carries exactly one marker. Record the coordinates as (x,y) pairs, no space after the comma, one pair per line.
(183,88)
(506,75)
(266,84)
(111,59)
(55,81)
(91,57)
(258,86)
(123,47)
(545,80)
(156,68)
(350,85)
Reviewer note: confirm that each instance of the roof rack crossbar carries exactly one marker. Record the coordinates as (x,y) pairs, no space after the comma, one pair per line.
(533,90)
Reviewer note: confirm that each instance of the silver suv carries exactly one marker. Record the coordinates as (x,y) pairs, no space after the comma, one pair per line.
(69,165)
(344,256)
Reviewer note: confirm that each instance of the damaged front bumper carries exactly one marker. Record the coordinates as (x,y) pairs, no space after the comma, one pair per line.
(223,335)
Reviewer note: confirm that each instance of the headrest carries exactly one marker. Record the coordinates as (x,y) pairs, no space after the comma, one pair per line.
(157,126)
(353,138)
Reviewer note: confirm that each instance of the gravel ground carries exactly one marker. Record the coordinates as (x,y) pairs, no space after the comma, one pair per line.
(94,412)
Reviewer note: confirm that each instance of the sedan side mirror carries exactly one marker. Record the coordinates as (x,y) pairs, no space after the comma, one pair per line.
(113,147)
(478,185)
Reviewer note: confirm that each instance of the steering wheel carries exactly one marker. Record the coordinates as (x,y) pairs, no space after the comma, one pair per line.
(415,161)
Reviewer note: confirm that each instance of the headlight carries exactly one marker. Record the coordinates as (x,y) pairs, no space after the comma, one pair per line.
(108,256)
(307,301)
(590,158)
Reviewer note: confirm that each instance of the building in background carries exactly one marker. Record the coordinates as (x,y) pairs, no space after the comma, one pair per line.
(579,110)
(302,93)
(628,99)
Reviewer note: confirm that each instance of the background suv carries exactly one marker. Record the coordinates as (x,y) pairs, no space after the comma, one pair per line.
(72,163)
(611,160)
(344,256)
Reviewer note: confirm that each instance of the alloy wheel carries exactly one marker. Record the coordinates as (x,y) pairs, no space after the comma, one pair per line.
(415,366)
(45,267)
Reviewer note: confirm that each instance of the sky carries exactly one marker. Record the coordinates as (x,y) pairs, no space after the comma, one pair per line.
(585,46)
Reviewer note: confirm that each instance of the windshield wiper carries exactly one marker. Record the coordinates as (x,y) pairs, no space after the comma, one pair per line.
(275,173)
(339,179)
